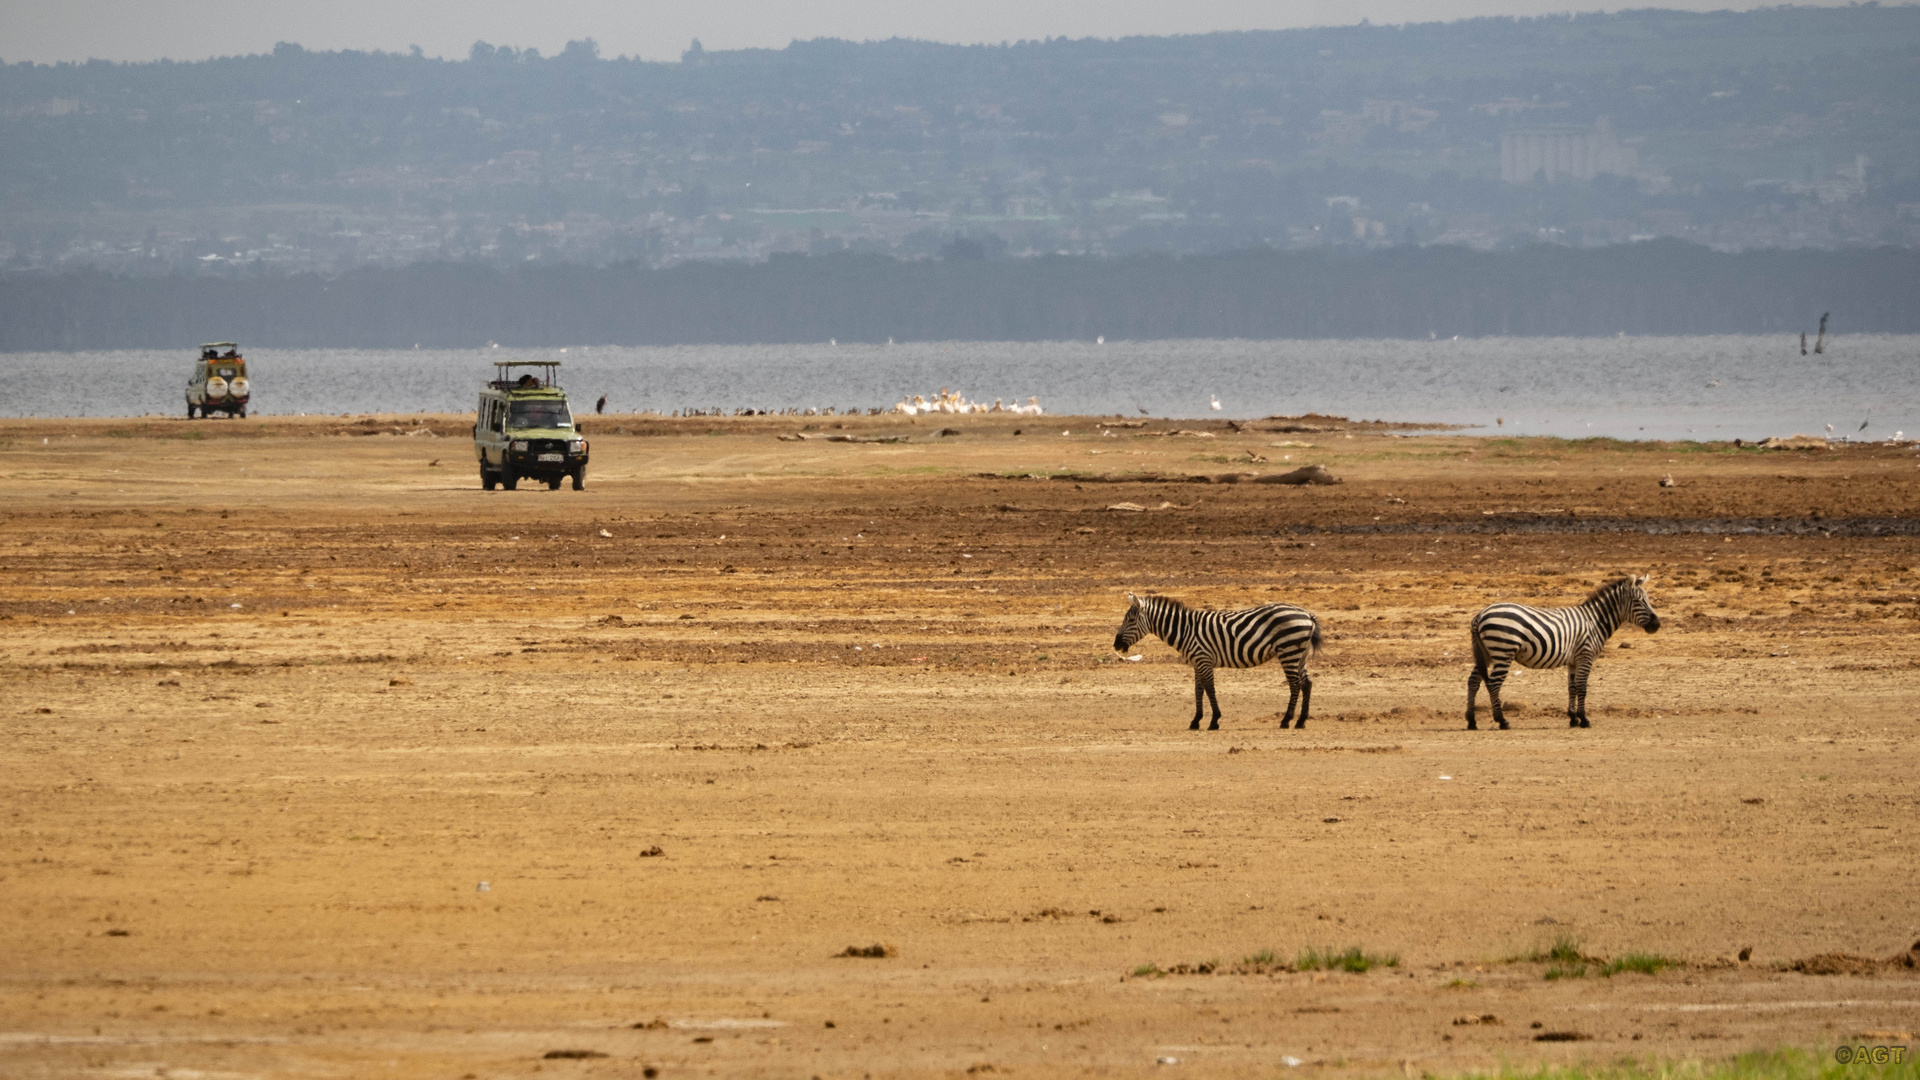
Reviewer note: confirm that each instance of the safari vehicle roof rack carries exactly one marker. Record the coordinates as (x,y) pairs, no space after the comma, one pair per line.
(503,376)
(221,345)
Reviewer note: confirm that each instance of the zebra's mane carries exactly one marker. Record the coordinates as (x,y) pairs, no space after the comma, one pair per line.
(1165,601)
(1607,588)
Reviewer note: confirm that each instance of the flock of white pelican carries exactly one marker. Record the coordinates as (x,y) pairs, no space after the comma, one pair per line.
(947,401)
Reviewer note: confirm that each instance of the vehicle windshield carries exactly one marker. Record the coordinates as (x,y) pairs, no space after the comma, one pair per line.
(539,414)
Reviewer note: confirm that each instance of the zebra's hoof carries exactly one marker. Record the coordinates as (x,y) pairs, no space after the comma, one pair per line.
(1215,726)
(1471,725)
(1573,721)
(1584,722)
(1195,726)
(1503,725)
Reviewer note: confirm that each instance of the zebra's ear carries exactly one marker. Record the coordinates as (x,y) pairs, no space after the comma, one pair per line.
(1644,578)
(1133,600)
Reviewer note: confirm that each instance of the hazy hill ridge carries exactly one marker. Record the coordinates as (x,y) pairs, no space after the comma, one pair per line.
(1738,130)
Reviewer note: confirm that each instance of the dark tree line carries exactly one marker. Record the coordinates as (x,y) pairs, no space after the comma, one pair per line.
(1662,287)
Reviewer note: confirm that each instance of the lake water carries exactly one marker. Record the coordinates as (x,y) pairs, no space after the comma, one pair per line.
(1634,388)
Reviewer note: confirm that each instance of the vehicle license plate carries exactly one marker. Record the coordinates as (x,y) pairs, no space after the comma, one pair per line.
(553,457)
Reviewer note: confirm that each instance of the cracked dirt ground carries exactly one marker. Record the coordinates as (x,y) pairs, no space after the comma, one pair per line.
(280,695)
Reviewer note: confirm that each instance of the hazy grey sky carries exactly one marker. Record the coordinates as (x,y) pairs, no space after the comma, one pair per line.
(50,30)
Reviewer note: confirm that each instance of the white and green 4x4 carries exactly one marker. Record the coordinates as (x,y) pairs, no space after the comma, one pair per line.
(525,430)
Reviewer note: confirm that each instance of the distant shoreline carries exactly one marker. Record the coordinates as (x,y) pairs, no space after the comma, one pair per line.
(1657,288)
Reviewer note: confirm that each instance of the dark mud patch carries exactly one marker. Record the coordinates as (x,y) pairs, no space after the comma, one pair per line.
(1570,525)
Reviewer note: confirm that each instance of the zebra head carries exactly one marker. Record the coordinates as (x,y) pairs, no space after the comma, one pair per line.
(1132,628)
(1639,608)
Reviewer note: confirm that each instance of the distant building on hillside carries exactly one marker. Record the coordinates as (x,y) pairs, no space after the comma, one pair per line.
(1564,152)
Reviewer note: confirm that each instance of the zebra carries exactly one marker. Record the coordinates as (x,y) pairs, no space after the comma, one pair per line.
(1568,637)
(1232,639)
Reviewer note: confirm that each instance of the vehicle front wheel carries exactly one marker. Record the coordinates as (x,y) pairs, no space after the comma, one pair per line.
(190,410)
(580,478)
(508,480)
(553,483)
(242,414)
(488,481)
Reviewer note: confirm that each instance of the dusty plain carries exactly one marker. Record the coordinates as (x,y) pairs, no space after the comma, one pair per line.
(319,761)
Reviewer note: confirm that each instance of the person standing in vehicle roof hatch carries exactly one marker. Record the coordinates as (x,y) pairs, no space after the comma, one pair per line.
(527,382)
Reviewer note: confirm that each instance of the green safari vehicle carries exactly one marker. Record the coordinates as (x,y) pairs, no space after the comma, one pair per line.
(525,430)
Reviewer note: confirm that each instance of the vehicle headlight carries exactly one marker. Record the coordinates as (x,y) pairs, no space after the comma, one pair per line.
(519,444)
(216,387)
(577,446)
(238,386)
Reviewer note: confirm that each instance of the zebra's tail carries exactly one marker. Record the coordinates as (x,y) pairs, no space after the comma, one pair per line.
(1314,642)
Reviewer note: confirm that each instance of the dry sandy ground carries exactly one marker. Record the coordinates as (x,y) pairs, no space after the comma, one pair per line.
(319,761)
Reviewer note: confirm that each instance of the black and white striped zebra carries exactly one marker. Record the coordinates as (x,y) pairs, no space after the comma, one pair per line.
(1228,639)
(1568,637)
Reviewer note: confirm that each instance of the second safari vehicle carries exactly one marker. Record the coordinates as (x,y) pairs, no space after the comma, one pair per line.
(525,430)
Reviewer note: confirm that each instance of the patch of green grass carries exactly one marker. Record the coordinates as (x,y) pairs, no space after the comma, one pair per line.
(1265,958)
(1644,963)
(1352,959)
(1566,971)
(1148,971)
(1778,1064)
(1462,984)
(1565,949)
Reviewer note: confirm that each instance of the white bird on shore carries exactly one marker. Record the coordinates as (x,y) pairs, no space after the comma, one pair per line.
(1215,406)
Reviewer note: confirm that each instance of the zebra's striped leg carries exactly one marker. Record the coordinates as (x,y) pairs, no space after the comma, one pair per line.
(1473,692)
(1577,692)
(1293,698)
(1199,695)
(1496,678)
(1306,699)
(1215,699)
